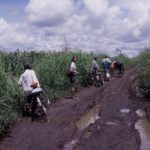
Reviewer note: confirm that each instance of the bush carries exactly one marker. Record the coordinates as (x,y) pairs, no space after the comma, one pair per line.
(144,73)
(10,101)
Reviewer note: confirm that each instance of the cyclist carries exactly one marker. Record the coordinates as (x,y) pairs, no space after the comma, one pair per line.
(29,81)
(94,69)
(106,63)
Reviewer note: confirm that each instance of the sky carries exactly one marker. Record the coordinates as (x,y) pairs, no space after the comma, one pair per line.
(101,26)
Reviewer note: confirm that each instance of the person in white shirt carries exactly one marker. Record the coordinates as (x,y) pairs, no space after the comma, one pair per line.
(29,81)
(73,76)
(94,69)
(106,63)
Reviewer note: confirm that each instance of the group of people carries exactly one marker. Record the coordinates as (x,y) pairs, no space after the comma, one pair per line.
(29,80)
(106,63)
(108,67)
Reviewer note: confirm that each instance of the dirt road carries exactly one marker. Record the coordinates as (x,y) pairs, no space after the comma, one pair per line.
(102,119)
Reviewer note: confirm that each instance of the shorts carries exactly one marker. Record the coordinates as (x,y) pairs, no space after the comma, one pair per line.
(73,79)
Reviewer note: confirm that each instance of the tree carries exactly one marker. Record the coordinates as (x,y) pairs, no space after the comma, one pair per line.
(119,51)
(65,44)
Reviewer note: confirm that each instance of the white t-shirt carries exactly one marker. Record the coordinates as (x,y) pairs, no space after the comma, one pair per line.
(94,65)
(26,79)
(73,67)
(106,60)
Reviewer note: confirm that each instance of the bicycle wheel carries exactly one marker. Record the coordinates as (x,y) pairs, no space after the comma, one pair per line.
(27,110)
(41,109)
(101,79)
(44,99)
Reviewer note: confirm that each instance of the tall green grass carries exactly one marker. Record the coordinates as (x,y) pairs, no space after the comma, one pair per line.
(13,62)
(144,72)
(11,101)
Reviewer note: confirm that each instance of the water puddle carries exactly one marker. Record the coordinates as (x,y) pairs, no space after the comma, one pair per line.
(125,110)
(141,113)
(82,124)
(70,145)
(143,126)
(88,119)
(111,123)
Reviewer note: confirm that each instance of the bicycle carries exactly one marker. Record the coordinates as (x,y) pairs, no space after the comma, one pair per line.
(106,74)
(42,102)
(99,78)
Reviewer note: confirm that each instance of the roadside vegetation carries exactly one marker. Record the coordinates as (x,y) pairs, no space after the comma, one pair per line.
(144,73)
(50,68)
(10,101)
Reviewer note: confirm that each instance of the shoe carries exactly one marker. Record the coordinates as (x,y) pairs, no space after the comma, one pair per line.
(75,98)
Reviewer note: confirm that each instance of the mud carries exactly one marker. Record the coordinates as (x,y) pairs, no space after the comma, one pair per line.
(103,118)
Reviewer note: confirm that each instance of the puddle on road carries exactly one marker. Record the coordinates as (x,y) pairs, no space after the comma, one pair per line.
(82,124)
(143,126)
(111,123)
(89,118)
(125,110)
(141,113)
(70,145)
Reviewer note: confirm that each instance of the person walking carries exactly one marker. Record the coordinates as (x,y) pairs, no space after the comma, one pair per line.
(29,81)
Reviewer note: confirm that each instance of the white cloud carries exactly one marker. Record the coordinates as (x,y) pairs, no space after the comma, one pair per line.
(49,12)
(98,7)
(136,33)
(98,25)
(13,35)
(3,25)
(25,37)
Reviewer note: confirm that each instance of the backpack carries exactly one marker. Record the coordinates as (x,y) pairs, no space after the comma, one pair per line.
(69,74)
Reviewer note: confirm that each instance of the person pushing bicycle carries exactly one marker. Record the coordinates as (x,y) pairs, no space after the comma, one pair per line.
(29,81)
(106,63)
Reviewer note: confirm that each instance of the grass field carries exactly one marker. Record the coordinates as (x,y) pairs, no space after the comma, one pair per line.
(144,72)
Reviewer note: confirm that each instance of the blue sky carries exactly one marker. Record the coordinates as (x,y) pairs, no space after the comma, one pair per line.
(13,10)
(90,25)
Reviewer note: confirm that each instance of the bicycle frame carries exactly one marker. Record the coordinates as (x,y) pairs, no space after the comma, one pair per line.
(42,103)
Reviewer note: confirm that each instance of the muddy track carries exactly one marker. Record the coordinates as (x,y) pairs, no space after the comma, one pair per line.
(110,108)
